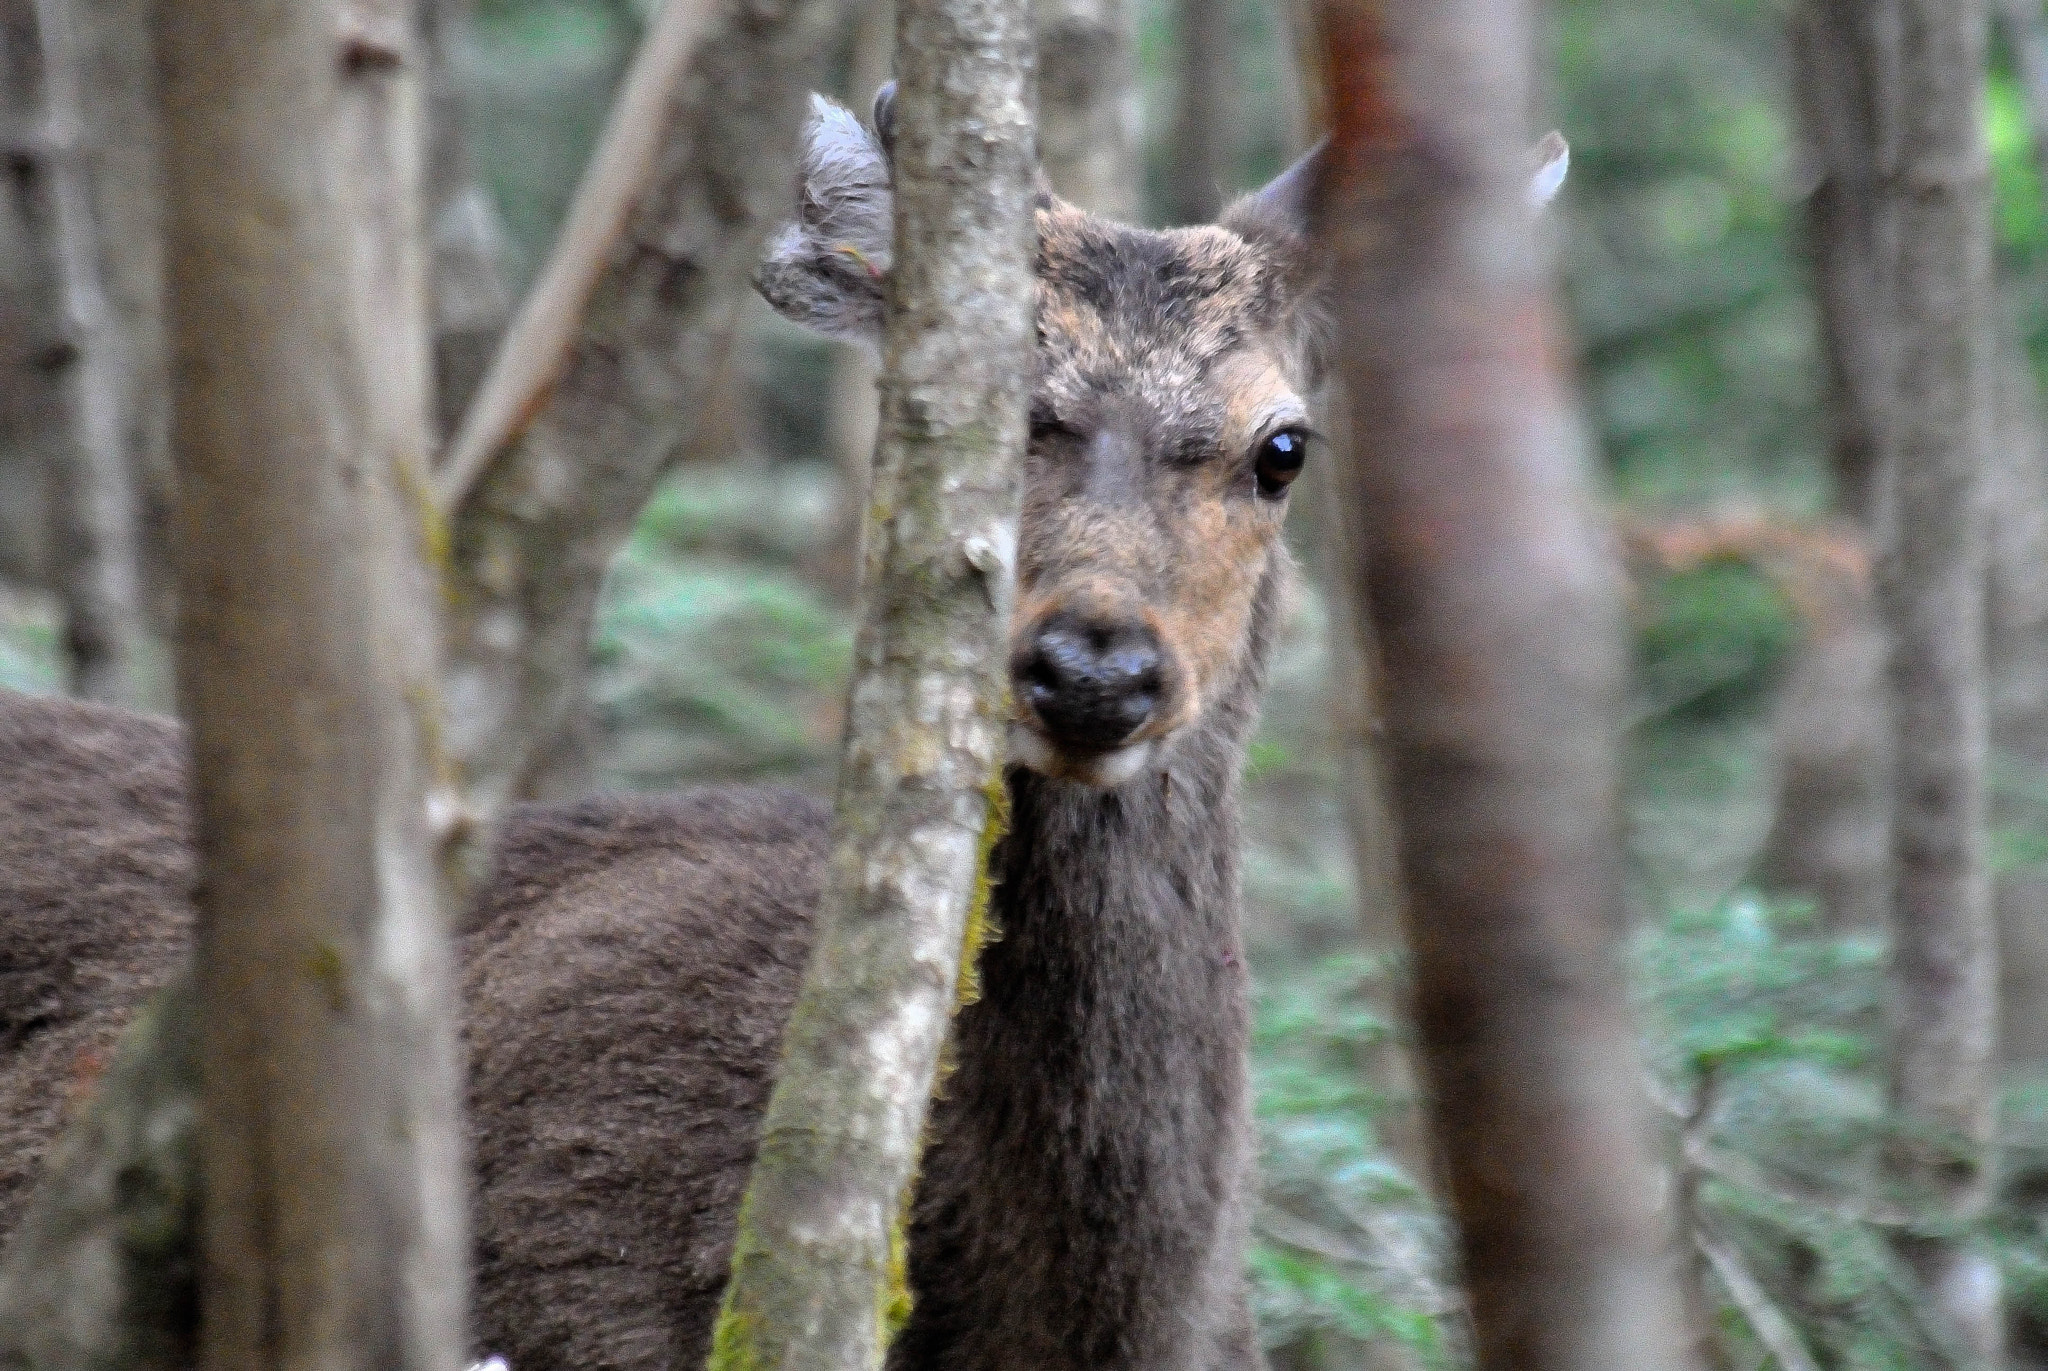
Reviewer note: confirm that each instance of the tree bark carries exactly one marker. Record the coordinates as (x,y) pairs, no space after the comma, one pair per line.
(76,378)
(1204,112)
(818,1266)
(1088,104)
(1495,603)
(582,414)
(1944,943)
(333,1221)
(2017,672)
(471,287)
(1831,835)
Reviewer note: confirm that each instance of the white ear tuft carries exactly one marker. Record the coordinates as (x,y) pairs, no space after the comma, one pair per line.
(1553,158)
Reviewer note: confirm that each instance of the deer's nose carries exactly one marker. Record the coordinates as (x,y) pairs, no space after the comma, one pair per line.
(1091,684)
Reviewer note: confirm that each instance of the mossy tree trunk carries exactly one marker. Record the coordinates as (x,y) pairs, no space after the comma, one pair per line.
(1497,610)
(1944,939)
(818,1267)
(333,1219)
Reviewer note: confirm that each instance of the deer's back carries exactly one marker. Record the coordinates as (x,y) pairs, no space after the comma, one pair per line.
(628,974)
(627,970)
(95,880)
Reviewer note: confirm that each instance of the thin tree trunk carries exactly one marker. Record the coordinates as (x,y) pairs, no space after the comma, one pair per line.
(1944,942)
(2017,669)
(1496,606)
(1830,836)
(77,358)
(598,383)
(818,1265)
(1205,114)
(1088,104)
(333,1221)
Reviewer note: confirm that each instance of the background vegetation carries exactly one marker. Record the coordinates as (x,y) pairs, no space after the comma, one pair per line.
(723,640)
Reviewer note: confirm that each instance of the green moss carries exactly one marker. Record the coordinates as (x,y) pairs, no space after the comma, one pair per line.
(981,928)
(893,1309)
(436,541)
(732,1342)
(324,967)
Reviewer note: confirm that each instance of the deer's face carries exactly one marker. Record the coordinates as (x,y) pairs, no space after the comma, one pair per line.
(1167,422)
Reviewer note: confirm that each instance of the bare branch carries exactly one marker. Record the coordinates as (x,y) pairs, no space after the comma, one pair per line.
(600,383)
(1772,1328)
(535,349)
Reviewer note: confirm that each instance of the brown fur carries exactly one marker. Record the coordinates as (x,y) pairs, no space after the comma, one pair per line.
(1163,359)
(1084,1195)
(95,872)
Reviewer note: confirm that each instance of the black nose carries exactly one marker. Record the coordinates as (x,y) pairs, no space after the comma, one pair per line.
(1091,684)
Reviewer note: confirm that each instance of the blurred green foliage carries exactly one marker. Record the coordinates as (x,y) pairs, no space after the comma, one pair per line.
(721,651)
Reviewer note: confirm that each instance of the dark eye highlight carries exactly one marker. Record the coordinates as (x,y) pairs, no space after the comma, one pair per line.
(1278,461)
(1046,424)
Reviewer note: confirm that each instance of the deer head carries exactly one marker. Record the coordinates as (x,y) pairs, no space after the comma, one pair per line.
(1168,421)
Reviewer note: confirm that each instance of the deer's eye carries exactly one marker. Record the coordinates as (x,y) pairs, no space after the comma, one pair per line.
(1046,425)
(1279,461)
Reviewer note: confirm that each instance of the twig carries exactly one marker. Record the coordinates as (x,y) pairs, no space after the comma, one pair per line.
(1768,1321)
(530,357)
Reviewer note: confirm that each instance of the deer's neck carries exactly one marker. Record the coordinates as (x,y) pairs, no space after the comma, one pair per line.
(1082,1203)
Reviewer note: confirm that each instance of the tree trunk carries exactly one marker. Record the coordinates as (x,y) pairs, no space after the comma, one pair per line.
(818,1266)
(472,290)
(1205,114)
(1496,608)
(1831,834)
(75,383)
(2017,634)
(1944,944)
(597,384)
(333,1221)
(1088,104)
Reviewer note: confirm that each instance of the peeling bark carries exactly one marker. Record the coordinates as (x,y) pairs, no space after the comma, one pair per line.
(818,1269)
(333,1228)
(1496,605)
(1944,943)
(582,414)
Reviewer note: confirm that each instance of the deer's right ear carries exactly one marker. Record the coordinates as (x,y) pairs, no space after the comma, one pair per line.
(825,269)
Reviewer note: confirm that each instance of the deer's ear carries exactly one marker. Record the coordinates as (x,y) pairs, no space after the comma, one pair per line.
(1284,207)
(825,268)
(1279,212)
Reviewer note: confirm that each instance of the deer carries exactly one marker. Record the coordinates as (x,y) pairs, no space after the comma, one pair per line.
(629,964)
